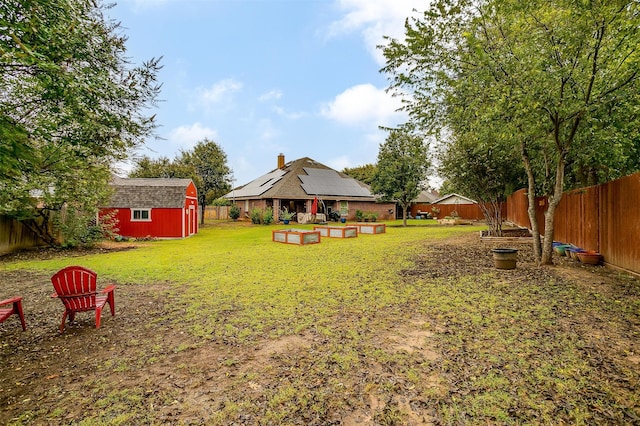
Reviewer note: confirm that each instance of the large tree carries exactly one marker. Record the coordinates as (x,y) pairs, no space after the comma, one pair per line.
(206,165)
(162,167)
(71,104)
(402,170)
(556,75)
(485,171)
(364,173)
(212,175)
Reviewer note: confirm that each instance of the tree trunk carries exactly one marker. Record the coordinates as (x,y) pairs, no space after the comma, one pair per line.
(531,208)
(492,212)
(203,206)
(404,214)
(549,216)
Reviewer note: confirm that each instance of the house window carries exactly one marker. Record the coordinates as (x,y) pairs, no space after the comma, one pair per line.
(141,215)
(344,208)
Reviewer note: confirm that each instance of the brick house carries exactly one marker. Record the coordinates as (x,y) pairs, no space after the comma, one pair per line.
(295,184)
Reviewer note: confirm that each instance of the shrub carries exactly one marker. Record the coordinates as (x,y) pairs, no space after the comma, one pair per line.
(256,215)
(285,214)
(234,212)
(221,202)
(267,218)
(79,228)
(359,215)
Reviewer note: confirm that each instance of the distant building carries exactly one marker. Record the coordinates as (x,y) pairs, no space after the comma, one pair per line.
(158,208)
(294,186)
(454,199)
(444,206)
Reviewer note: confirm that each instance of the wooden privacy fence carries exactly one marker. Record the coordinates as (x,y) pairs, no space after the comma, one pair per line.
(14,235)
(465,211)
(604,218)
(216,212)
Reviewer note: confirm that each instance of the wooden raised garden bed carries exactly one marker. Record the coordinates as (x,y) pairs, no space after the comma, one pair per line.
(520,235)
(337,231)
(295,236)
(454,221)
(371,228)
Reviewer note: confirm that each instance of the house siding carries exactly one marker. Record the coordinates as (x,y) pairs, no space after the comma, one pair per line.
(164,223)
(173,206)
(385,211)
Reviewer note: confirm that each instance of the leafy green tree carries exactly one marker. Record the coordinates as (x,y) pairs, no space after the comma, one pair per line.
(403,164)
(212,176)
(205,165)
(558,77)
(163,167)
(364,173)
(71,104)
(485,172)
(476,160)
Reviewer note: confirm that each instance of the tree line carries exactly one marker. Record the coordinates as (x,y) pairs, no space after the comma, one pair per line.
(71,105)
(537,93)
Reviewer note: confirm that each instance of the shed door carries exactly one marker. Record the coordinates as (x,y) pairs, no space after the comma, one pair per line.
(192,219)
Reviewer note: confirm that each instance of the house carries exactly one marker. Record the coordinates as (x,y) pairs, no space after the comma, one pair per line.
(150,207)
(422,203)
(294,186)
(454,199)
(456,204)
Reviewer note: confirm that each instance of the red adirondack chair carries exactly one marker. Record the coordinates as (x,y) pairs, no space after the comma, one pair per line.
(16,308)
(76,287)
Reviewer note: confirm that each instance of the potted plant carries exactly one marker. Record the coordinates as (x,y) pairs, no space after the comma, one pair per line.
(359,215)
(590,257)
(286,216)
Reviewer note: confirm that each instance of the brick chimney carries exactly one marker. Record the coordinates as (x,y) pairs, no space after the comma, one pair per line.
(281,161)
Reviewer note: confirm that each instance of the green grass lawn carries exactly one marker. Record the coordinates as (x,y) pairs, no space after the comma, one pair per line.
(270,288)
(518,347)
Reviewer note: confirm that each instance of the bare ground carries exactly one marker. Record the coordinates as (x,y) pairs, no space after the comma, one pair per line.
(144,356)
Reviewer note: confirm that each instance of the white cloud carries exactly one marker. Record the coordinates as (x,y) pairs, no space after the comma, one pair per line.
(375,19)
(274,94)
(289,115)
(339,163)
(219,91)
(189,135)
(364,104)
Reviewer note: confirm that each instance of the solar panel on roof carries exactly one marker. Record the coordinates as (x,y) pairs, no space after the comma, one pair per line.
(329,182)
(260,185)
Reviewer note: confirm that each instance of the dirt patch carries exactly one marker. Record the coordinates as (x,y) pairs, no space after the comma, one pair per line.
(47,252)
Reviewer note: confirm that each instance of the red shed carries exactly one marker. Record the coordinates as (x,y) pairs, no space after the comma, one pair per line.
(150,207)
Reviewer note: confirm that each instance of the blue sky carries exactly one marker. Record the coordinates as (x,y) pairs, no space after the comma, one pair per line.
(263,77)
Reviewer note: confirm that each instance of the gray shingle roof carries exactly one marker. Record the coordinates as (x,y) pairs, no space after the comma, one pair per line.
(303,179)
(148,193)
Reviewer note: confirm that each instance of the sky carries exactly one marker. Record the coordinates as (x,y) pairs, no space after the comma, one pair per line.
(264,77)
